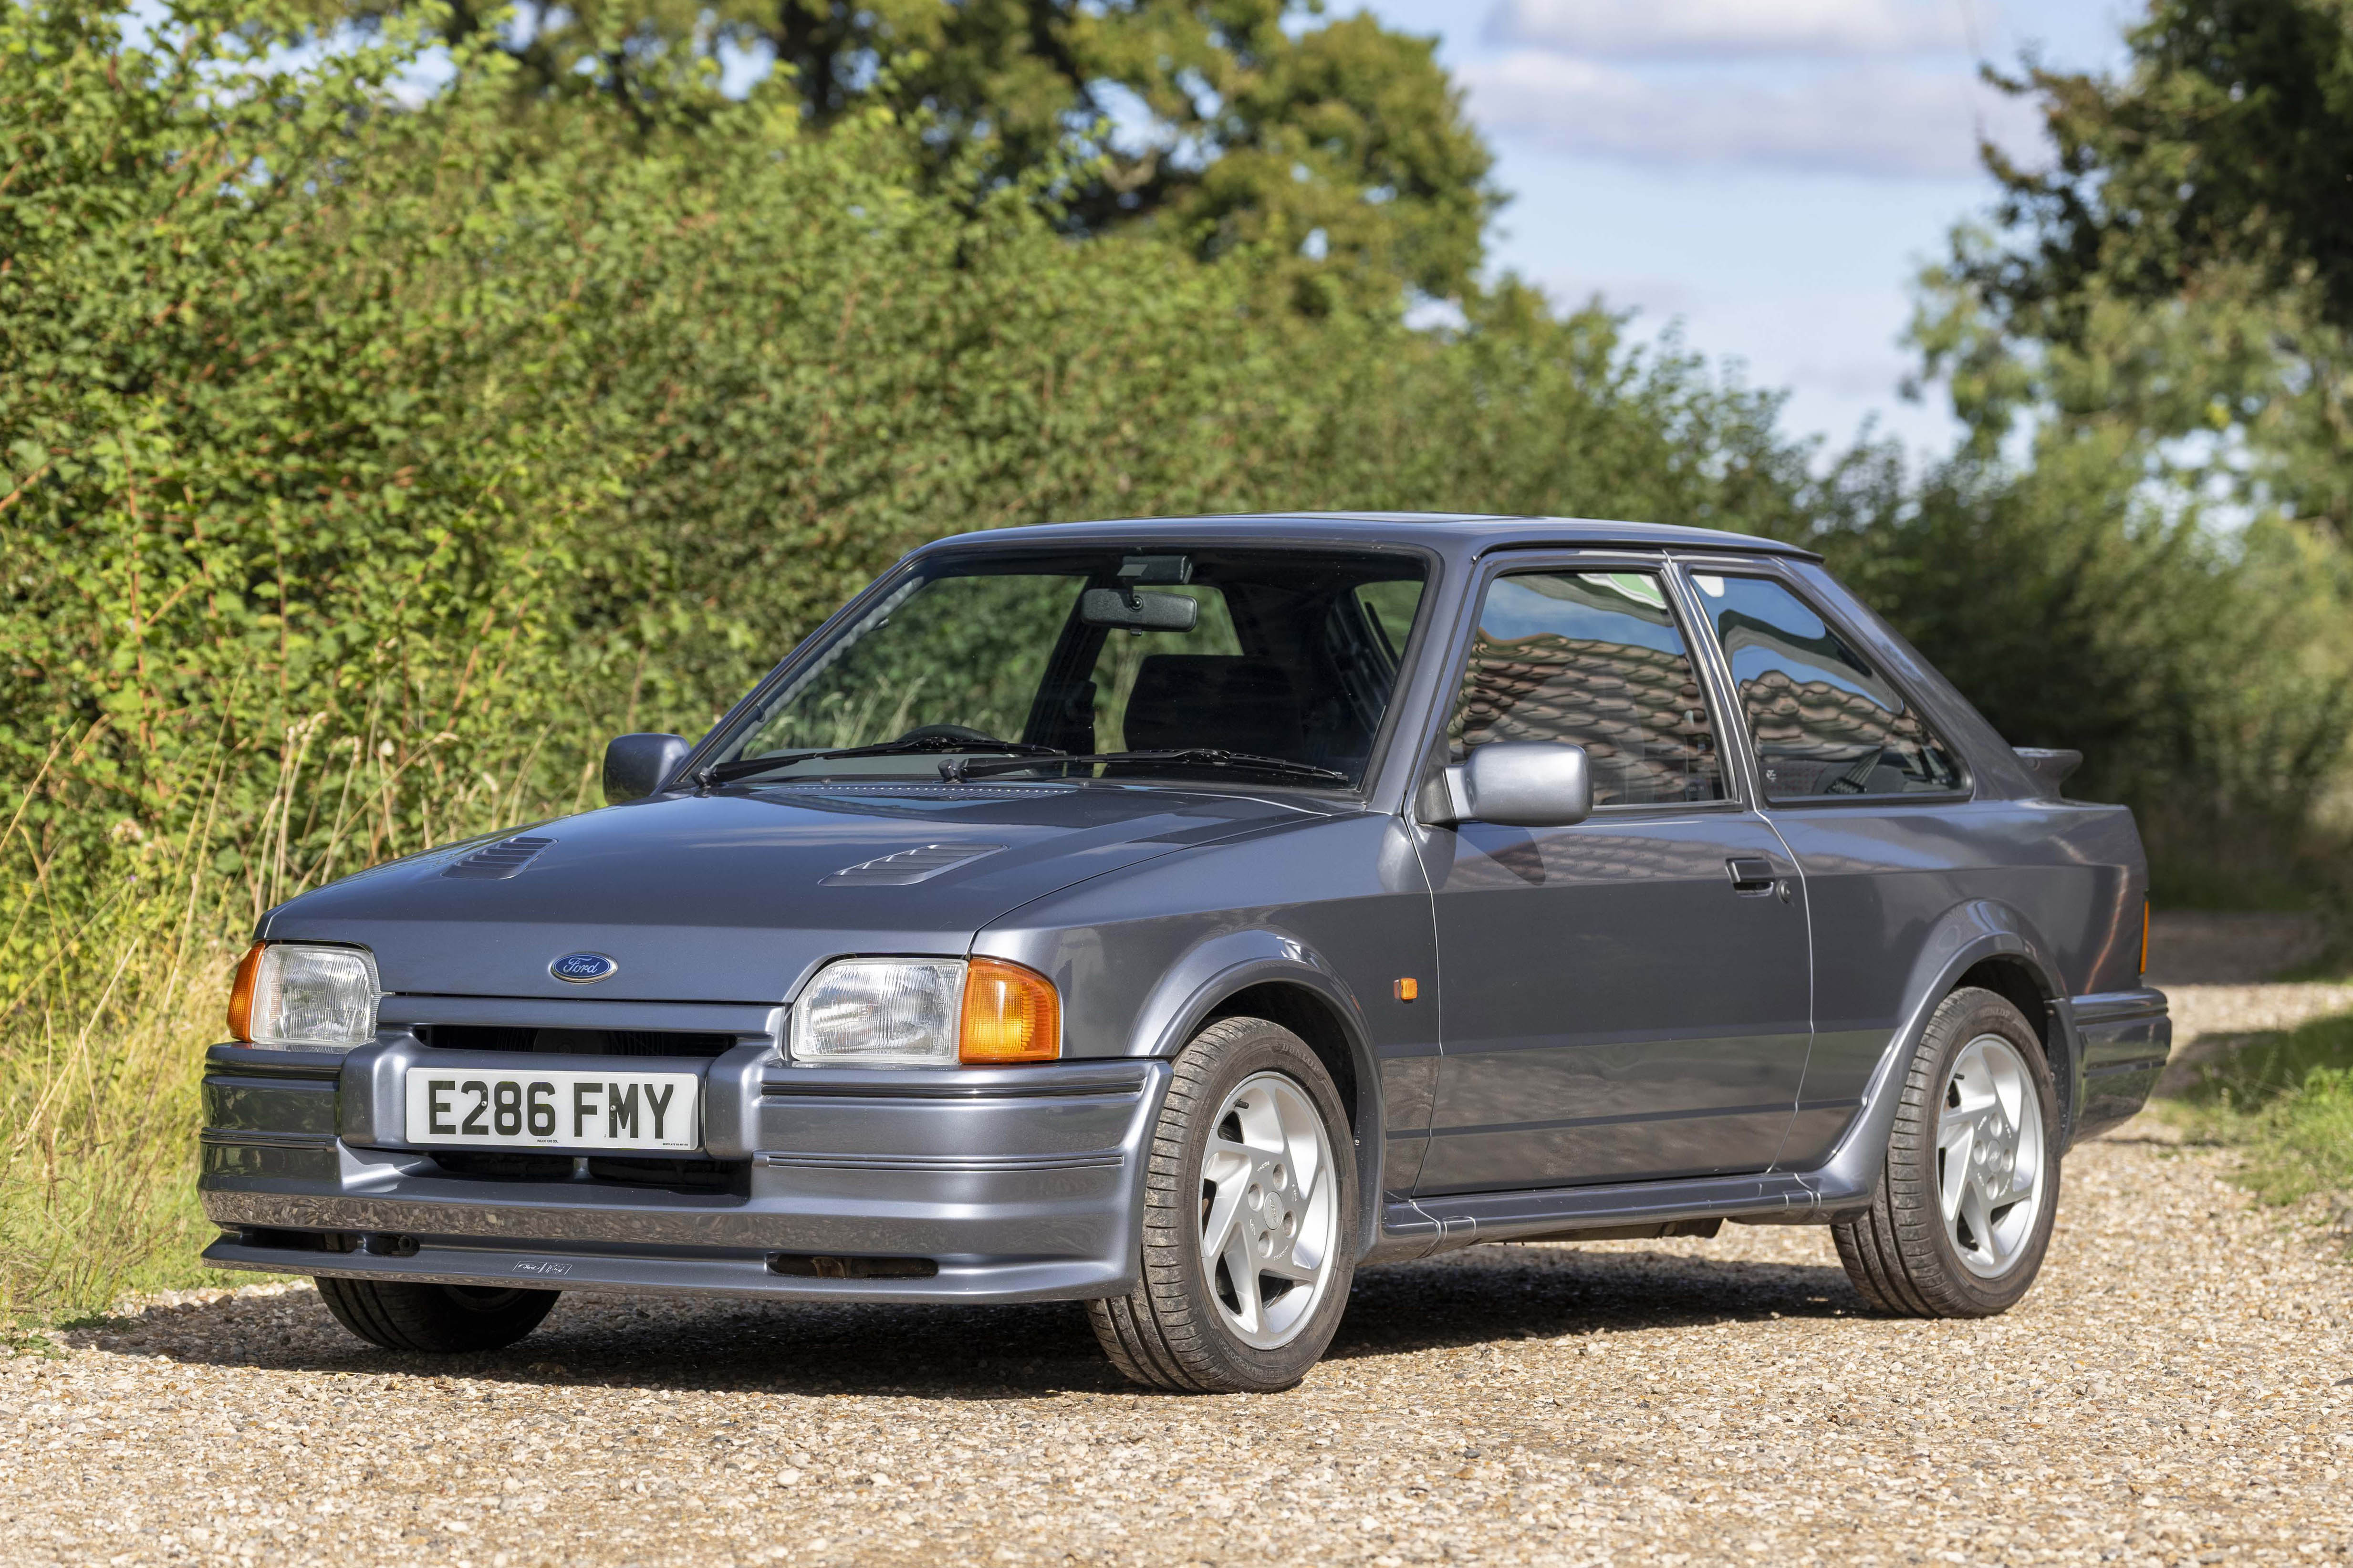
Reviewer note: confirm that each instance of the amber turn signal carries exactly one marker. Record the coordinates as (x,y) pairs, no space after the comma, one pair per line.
(240,995)
(1010,1014)
(2144,936)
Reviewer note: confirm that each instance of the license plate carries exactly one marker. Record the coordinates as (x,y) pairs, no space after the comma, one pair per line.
(554,1110)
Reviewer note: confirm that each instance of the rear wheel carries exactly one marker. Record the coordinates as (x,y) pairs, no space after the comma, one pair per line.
(401,1315)
(1963,1215)
(1250,1222)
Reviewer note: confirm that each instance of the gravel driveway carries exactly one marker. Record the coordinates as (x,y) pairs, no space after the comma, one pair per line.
(2178,1388)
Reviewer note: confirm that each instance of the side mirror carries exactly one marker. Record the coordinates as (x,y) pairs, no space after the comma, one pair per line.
(637,765)
(1520,783)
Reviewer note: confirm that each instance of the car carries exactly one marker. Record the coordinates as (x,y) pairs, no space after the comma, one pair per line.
(1177,915)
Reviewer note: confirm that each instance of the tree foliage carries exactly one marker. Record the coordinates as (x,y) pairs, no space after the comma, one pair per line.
(1335,151)
(2182,269)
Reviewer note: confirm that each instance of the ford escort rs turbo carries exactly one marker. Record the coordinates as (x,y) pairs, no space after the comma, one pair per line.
(1176,916)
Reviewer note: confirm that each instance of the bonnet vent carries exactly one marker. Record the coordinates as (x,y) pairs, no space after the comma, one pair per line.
(497,862)
(908,866)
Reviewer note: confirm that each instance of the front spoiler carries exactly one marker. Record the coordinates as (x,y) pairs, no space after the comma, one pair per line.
(979,1280)
(1017,1185)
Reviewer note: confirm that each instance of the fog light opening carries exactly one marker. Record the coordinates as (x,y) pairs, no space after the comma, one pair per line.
(833,1266)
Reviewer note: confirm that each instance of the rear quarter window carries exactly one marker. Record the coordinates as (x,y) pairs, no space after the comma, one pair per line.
(1825,723)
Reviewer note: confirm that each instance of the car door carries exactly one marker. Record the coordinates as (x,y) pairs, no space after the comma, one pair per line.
(1627,998)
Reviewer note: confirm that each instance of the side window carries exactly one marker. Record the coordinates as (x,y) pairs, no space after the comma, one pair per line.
(1593,659)
(1824,721)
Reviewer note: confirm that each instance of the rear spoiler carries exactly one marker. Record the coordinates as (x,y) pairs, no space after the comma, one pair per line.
(2050,768)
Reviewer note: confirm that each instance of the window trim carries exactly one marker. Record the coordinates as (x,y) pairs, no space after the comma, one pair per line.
(1736,796)
(1688,566)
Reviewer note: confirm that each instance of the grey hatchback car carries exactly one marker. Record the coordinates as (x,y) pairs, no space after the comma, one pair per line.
(1177,915)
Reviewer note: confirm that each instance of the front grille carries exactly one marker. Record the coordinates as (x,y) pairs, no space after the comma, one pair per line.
(613,1170)
(574,1042)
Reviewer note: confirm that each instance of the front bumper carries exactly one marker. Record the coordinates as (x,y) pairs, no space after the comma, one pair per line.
(1010,1184)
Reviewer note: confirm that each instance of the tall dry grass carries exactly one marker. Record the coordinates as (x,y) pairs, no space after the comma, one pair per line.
(102,1039)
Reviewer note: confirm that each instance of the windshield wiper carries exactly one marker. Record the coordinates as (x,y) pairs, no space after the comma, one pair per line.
(747,767)
(957,769)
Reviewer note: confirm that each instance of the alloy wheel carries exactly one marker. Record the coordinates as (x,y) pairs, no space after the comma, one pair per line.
(1989,1148)
(1270,1210)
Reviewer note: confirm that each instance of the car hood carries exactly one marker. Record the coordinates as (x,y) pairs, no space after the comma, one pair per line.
(736,895)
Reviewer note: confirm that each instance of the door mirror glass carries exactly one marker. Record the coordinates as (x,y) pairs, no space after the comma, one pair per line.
(1523,784)
(637,765)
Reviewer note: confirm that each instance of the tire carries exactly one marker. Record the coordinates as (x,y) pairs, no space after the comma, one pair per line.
(435,1320)
(1950,1232)
(1186,1326)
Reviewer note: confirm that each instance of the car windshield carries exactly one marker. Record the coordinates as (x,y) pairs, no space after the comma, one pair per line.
(1216,660)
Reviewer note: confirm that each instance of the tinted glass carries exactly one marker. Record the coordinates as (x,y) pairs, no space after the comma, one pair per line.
(1825,723)
(1592,659)
(1291,655)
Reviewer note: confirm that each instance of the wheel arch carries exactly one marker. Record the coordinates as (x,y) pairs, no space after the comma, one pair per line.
(1982,943)
(1275,978)
(2017,981)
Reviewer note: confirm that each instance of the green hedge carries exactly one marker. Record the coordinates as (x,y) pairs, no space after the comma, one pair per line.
(441,441)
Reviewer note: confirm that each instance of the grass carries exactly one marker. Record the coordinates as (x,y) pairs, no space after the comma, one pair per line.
(97,1172)
(116,994)
(2285,1101)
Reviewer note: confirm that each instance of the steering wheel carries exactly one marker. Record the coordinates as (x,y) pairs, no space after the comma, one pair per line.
(944,732)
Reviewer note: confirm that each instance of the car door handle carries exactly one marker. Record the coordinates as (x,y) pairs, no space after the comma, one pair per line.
(1751,874)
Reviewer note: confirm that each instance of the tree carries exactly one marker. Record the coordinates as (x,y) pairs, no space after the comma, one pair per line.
(2184,267)
(1337,154)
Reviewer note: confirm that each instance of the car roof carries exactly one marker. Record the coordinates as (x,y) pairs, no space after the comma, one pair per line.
(1460,534)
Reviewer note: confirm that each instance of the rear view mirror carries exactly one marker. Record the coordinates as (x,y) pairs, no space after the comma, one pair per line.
(637,765)
(1138,612)
(1521,783)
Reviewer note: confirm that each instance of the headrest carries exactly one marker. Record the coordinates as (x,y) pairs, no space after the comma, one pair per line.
(1213,700)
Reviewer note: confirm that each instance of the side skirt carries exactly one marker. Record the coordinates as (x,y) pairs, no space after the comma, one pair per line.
(1416,1227)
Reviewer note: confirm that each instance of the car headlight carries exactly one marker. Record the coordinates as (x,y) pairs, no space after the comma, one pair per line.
(927,1012)
(292,995)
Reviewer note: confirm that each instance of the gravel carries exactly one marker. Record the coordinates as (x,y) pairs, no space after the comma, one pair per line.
(2178,1388)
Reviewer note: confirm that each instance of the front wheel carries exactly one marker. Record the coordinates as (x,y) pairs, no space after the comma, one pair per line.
(1963,1213)
(402,1315)
(1249,1221)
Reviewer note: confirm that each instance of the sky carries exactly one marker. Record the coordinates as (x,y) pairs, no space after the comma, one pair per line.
(1770,175)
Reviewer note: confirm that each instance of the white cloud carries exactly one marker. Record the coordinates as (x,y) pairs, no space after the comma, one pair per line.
(1871,120)
(1686,29)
